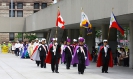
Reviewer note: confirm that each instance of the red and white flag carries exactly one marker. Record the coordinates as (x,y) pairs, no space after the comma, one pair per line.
(60,22)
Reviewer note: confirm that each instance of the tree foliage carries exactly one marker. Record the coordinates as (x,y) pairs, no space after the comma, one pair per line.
(29,36)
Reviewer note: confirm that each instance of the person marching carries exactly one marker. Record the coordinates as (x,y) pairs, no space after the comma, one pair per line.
(105,57)
(43,52)
(54,55)
(80,56)
(35,55)
(68,54)
(74,47)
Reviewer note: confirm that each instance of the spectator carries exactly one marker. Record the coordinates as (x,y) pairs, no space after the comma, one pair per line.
(13,47)
(126,59)
(94,54)
(122,56)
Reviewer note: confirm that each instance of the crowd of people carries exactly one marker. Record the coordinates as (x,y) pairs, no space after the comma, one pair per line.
(76,54)
(122,57)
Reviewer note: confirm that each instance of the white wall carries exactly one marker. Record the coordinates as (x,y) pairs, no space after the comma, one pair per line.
(71,9)
(12,24)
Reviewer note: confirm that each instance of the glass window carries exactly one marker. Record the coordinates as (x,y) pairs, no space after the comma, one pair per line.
(11,36)
(11,13)
(12,6)
(19,5)
(19,13)
(44,5)
(36,5)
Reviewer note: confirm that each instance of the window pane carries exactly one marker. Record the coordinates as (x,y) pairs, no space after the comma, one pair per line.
(19,13)
(11,36)
(11,13)
(44,5)
(36,5)
(20,6)
(13,6)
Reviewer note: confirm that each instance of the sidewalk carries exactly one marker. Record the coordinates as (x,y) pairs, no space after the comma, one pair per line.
(12,67)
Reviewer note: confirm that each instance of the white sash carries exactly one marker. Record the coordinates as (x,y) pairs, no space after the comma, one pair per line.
(54,47)
(44,48)
(82,50)
(69,49)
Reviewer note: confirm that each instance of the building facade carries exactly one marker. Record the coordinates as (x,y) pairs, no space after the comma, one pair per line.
(20,8)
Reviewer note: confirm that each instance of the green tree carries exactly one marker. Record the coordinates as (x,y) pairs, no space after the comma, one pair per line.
(30,36)
(19,35)
(98,33)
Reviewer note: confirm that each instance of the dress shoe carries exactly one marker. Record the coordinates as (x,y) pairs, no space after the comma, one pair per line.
(57,72)
(106,72)
(82,72)
(102,71)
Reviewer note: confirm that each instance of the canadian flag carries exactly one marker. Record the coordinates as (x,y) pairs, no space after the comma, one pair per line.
(60,22)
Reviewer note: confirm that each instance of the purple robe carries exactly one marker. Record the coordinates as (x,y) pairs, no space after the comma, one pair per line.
(63,55)
(75,58)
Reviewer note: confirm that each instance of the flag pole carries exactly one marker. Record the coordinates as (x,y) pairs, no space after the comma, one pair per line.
(109,28)
(57,26)
(81,33)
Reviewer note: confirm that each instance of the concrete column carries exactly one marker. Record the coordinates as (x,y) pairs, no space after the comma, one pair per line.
(69,33)
(75,33)
(39,35)
(90,39)
(112,40)
(105,29)
(53,33)
(45,34)
(64,36)
(131,45)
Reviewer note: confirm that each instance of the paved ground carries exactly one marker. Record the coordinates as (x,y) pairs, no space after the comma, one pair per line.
(12,67)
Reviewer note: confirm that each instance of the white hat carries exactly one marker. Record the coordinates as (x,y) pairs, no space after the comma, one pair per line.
(75,40)
(36,39)
(43,39)
(105,40)
(56,39)
(53,39)
(79,38)
(40,41)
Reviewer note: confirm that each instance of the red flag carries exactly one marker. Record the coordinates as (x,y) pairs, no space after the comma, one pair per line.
(60,22)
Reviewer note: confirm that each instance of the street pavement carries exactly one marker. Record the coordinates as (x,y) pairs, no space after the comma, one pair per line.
(12,67)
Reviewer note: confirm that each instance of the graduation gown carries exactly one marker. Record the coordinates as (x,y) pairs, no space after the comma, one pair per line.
(99,61)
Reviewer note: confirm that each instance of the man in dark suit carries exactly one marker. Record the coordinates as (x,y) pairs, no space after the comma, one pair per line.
(68,54)
(105,58)
(43,52)
(55,55)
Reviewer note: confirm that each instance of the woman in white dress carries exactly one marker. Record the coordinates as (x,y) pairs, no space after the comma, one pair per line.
(13,47)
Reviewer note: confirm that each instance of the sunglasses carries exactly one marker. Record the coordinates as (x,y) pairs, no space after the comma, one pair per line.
(105,42)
